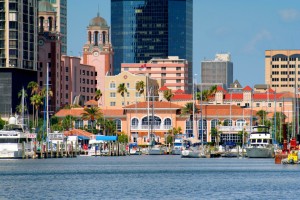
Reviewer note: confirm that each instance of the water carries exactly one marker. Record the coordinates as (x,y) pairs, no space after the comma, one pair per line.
(148,177)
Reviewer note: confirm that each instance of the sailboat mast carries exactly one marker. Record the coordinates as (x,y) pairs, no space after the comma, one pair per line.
(23,103)
(47,101)
(148,111)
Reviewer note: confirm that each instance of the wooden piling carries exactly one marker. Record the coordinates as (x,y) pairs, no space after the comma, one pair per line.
(23,149)
(51,150)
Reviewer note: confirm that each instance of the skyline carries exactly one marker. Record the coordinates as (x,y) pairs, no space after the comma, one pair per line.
(239,28)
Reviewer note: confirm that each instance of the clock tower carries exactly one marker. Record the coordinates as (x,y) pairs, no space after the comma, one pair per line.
(98,52)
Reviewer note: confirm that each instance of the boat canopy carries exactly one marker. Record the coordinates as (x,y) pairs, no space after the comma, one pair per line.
(83,138)
(106,138)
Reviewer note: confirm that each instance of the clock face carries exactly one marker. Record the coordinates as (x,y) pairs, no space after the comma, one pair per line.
(41,42)
(96,53)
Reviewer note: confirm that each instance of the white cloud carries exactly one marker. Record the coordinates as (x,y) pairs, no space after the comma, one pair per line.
(262,35)
(289,14)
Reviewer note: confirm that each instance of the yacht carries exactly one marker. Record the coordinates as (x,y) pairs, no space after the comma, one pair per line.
(260,143)
(157,150)
(12,138)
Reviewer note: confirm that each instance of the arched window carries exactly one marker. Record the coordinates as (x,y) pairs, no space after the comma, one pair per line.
(96,35)
(154,120)
(118,125)
(168,123)
(189,128)
(240,122)
(214,123)
(134,122)
(204,124)
(90,37)
(50,23)
(103,37)
(79,123)
(41,24)
(227,122)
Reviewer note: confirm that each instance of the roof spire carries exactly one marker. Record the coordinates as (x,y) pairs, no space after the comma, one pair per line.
(98,11)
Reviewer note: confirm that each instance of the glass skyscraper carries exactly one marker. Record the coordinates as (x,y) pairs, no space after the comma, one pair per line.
(146,29)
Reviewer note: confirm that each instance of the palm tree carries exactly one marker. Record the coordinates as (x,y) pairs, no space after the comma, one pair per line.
(110,126)
(140,87)
(215,133)
(98,95)
(122,90)
(212,90)
(92,114)
(262,114)
(168,95)
(19,108)
(67,122)
(204,94)
(188,108)
(36,101)
(34,87)
(101,123)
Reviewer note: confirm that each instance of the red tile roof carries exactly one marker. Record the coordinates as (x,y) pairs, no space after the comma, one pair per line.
(247,88)
(182,97)
(179,91)
(224,111)
(233,96)
(157,104)
(78,132)
(75,112)
(220,88)
(163,88)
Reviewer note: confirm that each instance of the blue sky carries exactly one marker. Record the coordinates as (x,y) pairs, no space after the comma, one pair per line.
(245,28)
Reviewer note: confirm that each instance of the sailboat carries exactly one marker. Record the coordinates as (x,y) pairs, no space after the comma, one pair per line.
(16,140)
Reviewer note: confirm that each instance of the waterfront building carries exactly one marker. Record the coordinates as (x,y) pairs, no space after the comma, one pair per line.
(133,121)
(112,98)
(49,51)
(282,69)
(146,29)
(269,100)
(60,7)
(217,72)
(98,52)
(18,50)
(78,81)
(172,71)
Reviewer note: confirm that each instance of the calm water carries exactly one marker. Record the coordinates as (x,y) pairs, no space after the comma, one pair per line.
(148,177)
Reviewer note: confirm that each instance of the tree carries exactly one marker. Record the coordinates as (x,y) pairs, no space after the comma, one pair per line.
(212,90)
(101,123)
(122,90)
(140,87)
(92,114)
(67,122)
(168,95)
(34,87)
(215,133)
(36,100)
(98,95)
(122,137)
(188,108)
(19,107)
(110,127)
(262,114)
(2,123)
(172,132)
(204,94)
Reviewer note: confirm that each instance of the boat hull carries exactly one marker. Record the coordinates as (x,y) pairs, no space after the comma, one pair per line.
(10,154)
(176,151)
(156,152)
(192,154)
(260,152)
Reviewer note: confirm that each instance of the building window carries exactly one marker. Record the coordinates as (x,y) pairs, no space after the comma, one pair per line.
(113,94)
(67,95)
(163,69)
(83,80)
(49,55)
(92,90)
(178,74)
(87,89)
(269,105)
(178,81)
(125,68)
(257,104)
(41,83)
(112,103)
(163,74)
(95,73)
(67,78)
(128,85)
(67,87)
(128,94)
(87,81)
(83,72)
(112,85)
(87,73)
(137,94)
(41,74)
(178,68)
(83,89)
(280,104)
(92,74)
(92,82)
(67,69)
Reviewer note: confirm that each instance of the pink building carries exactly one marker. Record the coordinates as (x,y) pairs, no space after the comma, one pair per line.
(49,46)
(172,70)
(98,51)
(78,81)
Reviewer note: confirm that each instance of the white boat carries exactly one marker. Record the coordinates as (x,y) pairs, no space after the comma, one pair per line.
(12,138)
(55,138)
(157,150)
(177,147)
(192,148)
(260,143)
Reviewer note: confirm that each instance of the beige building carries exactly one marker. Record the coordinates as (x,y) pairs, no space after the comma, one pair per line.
(282,69)
(114,99)
(173,71)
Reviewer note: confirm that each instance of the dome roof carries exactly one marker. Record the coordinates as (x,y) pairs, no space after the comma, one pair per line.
(98,21)
(45,6)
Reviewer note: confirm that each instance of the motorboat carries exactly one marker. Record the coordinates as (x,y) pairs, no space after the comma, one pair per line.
(156,150)
(15,140)
(260,143)
(134,149)
(177,147)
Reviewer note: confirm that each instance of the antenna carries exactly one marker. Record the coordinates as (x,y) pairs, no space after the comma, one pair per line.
(98,14)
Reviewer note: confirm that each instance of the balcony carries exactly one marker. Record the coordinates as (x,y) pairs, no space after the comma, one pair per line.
(154,127)
(228,129)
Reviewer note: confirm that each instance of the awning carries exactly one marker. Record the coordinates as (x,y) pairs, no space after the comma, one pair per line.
(83,138)
(106,138)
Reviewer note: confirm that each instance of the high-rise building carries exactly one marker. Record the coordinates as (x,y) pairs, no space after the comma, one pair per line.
(217,72)
(49,48)
(282,70)
(18,49)
(60,7)
(146,29)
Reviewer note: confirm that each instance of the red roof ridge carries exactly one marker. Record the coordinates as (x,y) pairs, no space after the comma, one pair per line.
(247,88)
(163,88)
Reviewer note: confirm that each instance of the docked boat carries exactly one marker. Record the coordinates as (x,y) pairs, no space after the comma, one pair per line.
(192,148)
(157,150)
(15,140)
(260,143)
(177,147)
(134,149)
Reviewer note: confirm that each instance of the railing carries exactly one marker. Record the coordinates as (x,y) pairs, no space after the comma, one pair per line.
(155,127)
(233,128)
